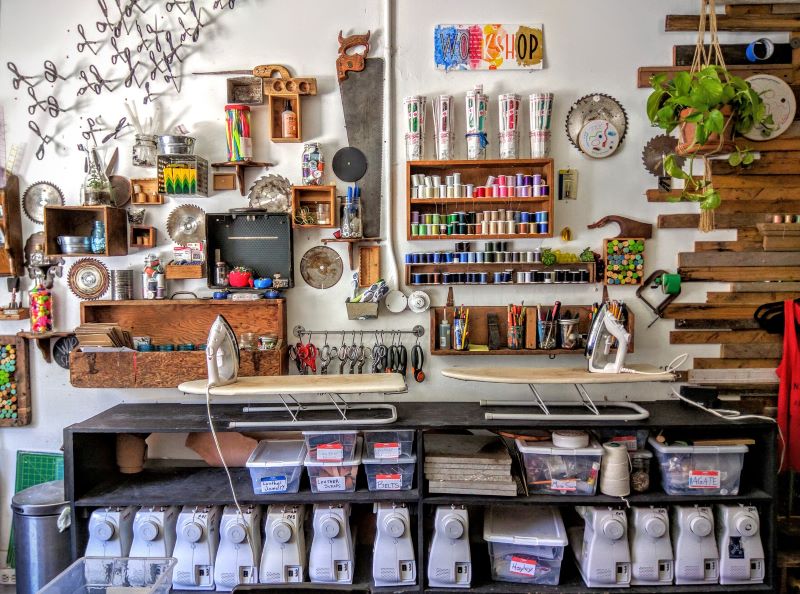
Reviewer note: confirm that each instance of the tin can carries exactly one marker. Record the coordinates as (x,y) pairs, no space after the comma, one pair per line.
(313,164)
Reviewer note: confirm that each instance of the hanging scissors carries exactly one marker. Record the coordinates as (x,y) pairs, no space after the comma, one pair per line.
(295,356)
(19,78)
(342,355)
(379,352)
(417,361)
(51,73)
(50,105)
(308,355)
(45,138)
(86,42)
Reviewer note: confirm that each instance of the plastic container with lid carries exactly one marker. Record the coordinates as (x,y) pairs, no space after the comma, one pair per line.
(634,439)
(526,544)
(390,474)
(89,575)
(334,477)
(331,446)
(276,466)
(693,470)
(561,471)
(383,443)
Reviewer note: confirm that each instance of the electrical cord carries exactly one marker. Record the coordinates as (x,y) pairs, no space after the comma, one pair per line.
(671,366)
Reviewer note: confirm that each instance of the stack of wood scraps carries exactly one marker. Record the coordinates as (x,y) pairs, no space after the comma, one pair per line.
(468,465)
(95,334)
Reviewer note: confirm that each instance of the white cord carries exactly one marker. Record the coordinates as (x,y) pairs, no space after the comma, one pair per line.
(671,366)
(735,415)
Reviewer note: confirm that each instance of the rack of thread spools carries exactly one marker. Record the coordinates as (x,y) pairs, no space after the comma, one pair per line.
(480,199)
(497,263)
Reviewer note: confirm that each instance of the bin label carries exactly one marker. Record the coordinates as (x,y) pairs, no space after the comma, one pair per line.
(388,482)
(330,452)
(330,483)
(522,566)
(704,479)
(629,441)
(387,450)
(564,484)
(273,484)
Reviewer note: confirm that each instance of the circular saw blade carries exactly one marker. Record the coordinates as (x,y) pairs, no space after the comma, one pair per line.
(88,278)
(271,193)
(187,224)
(349,164)
(39,195)
(596,106)
(654,152)
(321,267)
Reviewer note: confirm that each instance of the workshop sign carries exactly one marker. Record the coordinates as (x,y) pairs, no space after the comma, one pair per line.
(488,47)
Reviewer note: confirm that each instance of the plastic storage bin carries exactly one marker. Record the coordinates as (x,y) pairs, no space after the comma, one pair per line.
(561,471)
(526,544)
(91,575)
(330,446)
(334,477)
(390,475)
(634,439)
(382,444)
(691,470)
(275,466)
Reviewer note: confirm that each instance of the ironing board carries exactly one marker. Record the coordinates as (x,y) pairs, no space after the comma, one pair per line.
(578,377)
(287,387)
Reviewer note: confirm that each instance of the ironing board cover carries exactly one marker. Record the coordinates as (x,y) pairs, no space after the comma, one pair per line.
(789,391)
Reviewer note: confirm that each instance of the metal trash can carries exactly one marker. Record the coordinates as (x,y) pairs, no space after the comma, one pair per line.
(42,551)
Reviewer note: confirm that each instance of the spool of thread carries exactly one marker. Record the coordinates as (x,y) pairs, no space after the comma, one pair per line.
(569,438)
(615,473)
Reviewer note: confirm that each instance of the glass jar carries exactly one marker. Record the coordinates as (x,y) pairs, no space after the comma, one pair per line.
(41,306)
(96,189)
(237,132)
(351,218)
(98,238)
(323,213)
(221,275)
(145,151)
(313,164)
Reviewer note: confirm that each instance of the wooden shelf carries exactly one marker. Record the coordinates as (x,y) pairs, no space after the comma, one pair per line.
(79,220)
(480,236)
(22,314)
(240,167)
(463,201)
(311,196)
(185,271)
(43,340)
(148,192)
(142,236)
(497,266)
(11,253)
(352,243)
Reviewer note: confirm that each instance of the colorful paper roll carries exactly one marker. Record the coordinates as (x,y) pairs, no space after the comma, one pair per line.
(237,132)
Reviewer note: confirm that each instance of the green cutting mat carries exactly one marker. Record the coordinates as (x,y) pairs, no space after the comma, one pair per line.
(34,468)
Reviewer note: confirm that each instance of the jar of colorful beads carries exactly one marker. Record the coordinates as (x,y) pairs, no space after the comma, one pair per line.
(41,309)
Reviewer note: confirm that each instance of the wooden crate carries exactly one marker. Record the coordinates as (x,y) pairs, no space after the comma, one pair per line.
(276,104)
(175,322)
(640,274)
(309,197)
(11,254)
(478,329)
(184,271)
(147,194)
(476,172)
(22,378)
(142,236)
(79,220)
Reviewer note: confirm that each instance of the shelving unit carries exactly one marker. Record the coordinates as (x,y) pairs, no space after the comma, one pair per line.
(92,480)
(240,167)
(11,254)
(310,196)
(491,267)
(79,220)
(142,236)
(147,194)
(476,172)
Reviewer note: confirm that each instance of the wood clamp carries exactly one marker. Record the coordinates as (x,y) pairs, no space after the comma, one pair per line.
(670,286)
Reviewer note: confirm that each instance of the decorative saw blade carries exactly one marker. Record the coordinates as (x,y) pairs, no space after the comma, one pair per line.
(187,224)
(321,267)
(597,106)
(62,348)
(271,193)
(39,195)
(654,152)
(88,278)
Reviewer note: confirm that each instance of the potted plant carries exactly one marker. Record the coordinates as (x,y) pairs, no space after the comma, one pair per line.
(708,107)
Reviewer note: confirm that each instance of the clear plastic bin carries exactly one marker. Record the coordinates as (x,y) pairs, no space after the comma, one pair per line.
(561,471)
(331,446)
(381,443)
(390,475)
(334,477)
(98,575)
(276,466)
(693,470)
(634,439)
(526,544)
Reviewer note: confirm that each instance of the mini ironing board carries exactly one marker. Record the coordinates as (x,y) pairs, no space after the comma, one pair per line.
(287,387)
(578,377)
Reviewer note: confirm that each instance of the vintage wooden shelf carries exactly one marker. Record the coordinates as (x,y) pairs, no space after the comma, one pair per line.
(147,194)
(309,197)
(175,322)
(79,220)
(497,267)
(22,313)
(240,167)
(11,255)
(142,236)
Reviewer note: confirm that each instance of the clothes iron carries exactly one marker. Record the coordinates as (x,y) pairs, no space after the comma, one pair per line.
(601,547)
(651,550)
(331,557)
(110,535)
(393,561)
(222,354)
(239,548)
(449,560)
(741,554)
(696,553)
(670,285)
(284,557)
(153,537)
(196,541)
(607,332)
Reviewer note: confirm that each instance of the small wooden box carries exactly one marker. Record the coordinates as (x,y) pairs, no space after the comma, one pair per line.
(79,220)
(142,236)
(309,197)
(246,90)
(185,271)
(276,108)
(632,277)
(147,194)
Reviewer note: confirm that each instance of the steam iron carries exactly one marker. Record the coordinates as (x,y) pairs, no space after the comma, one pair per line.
(606,331)
(222,354)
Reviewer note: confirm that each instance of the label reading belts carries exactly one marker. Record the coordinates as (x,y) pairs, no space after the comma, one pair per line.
(273,484)
(704,479)
(388,482)
(522,566)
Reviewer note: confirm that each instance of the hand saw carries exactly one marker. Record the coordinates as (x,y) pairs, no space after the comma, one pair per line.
(361,88)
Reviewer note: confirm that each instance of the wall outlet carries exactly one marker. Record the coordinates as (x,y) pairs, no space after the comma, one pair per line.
(8,576)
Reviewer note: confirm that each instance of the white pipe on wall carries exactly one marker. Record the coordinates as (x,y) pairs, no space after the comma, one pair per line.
(388,142)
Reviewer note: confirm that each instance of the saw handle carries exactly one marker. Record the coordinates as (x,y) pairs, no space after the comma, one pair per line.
(349,60)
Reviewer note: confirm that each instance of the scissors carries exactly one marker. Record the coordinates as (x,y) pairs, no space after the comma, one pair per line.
(353,354)
(50,72)
(307,353)
(82,44)
(19,78)
(123,123)
(49,105)
(46,139)
(379,352)
(99,82)
(362,358)
(326,353)
(417,361)
(294,356)
(342,356)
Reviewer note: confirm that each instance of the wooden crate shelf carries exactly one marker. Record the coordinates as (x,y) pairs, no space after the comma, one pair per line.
(175,322)
(185,271)
(79,220)
(142,236)
(476,173)
(309,197)
(144,192)
(275,108)
(11,254)
(491,267)
(478,330)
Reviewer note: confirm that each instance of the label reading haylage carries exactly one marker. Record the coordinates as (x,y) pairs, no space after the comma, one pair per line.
(330,452)
(522,566)
(704,479)
(388,482)
(387,450)
(273,484)
(564,484)
(330,483)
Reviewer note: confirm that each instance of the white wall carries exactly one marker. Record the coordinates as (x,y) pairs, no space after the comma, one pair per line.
(590,46)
